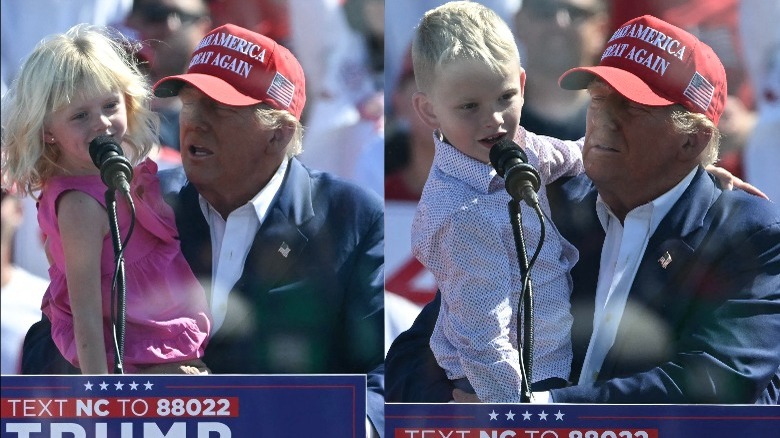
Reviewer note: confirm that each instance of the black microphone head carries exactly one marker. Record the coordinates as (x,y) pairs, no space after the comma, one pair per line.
(115,169)
(521,179)
(503,152)
(102,144)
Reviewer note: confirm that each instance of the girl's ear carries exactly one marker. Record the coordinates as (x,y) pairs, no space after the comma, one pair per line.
(48,137)
(279,138)
(424,109)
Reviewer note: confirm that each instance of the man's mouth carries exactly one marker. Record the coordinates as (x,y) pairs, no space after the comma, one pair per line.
(197,151)
(605,148)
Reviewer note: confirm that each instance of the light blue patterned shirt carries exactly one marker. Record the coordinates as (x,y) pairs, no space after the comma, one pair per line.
(462,233)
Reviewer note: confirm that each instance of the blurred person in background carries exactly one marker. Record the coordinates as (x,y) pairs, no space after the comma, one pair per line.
(554,36)
(21,293)
(409,149)
(170,30)
(267,17)
(761,42)
(345,115)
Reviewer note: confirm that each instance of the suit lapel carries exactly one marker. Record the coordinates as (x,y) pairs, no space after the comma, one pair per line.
(281,238)
(655,292)
(194,234)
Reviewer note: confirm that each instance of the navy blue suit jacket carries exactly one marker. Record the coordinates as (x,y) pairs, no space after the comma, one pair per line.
(310,298)
(704,329)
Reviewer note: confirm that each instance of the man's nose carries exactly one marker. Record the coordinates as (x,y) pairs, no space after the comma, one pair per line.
(192,117)
(604,116)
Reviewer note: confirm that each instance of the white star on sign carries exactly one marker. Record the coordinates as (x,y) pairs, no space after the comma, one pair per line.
(88,386)
(493,415)
(133,386)
(543,416)
(526,415)
(119,385)
(148,385)
(510,415)
(103,386)
(559,415)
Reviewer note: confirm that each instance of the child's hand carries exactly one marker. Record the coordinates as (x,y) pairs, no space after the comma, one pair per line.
(461,396)
(729,181)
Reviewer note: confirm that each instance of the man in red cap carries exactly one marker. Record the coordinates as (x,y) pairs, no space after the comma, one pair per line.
(292,259)
(675,295)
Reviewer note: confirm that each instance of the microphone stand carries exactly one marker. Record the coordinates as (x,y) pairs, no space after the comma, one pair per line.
(525,319)
(118,289)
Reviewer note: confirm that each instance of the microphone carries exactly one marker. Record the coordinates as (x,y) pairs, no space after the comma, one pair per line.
(522,181)
(115,168)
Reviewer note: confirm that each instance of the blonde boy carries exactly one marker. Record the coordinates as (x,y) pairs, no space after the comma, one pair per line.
(470,82)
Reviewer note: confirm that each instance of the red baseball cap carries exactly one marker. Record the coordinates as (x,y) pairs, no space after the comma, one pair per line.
(654,63)
(238,67)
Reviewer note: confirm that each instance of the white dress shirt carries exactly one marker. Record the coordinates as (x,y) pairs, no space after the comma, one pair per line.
(231,240)
(624,247)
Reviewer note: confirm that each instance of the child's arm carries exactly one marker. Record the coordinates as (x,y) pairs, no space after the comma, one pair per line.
(83,225)
(552,157)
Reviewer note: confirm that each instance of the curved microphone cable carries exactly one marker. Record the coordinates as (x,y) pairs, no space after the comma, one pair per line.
(116,173)
(522,181)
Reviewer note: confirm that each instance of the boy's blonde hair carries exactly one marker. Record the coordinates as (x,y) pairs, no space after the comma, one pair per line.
(460,30)
(84,61)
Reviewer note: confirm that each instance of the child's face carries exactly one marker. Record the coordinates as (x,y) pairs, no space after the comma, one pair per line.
(75,125)
(472,106)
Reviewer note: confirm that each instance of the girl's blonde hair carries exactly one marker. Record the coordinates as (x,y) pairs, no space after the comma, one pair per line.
(461,30)
(84,61)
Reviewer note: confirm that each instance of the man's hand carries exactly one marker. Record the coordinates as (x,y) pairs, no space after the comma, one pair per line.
(461,396)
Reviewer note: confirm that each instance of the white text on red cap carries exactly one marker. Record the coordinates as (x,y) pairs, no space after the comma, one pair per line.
(226,61)
(651,36)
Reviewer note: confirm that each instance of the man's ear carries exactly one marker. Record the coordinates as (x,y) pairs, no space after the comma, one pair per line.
(424,109)
(694,145)
(280,138)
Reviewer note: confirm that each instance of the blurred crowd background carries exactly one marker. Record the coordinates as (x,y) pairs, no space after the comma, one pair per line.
(359,121)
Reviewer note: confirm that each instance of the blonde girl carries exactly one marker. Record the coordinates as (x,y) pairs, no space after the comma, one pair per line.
(74,87)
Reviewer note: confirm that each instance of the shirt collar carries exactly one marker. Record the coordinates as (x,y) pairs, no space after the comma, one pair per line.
(659,207)
(261,202)
(455,163)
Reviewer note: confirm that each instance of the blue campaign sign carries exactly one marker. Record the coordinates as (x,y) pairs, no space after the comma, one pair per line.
(579,421)
(180,406)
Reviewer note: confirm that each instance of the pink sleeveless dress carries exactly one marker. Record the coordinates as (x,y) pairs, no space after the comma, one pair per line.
(167,318)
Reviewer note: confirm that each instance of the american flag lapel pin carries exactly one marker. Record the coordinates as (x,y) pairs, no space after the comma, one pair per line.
(284,250)
(665,260)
